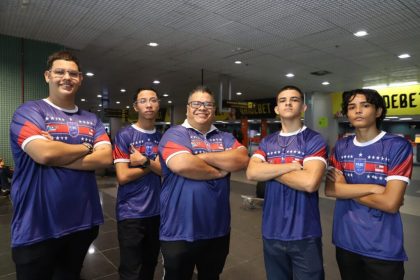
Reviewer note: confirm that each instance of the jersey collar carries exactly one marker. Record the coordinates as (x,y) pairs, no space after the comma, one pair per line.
(186,124)
(62,109)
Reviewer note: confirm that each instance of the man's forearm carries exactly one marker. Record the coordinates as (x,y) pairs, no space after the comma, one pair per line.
(231,160)
(100,158)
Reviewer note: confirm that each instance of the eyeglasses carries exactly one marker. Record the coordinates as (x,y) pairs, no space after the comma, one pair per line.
(59,73)
(144,101)
(198,104)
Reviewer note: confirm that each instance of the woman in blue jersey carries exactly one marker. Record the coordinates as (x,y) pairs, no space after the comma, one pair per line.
(368,175)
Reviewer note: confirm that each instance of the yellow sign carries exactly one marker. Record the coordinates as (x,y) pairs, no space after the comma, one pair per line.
(399,100)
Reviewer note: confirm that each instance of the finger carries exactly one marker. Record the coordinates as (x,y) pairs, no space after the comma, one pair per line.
(132,148)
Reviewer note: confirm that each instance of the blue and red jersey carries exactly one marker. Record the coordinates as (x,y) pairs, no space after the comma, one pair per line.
(138,198)
(49,201)
(358,228)
(193,209)
(289,214)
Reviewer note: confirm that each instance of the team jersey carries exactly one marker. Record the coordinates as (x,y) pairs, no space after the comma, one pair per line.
(193,209)
(49,201)
(360,229)
(138,198)
(289,214)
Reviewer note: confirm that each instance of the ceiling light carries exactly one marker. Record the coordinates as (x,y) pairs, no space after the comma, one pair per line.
(376,86)
(100,105)
(91,250)
(123,90)
(156,82)
(239,93)
(153,44)
(392,117)
(290,75)
(169,101)
(128,107)
(238,62)
(99,95)
(360,33)
(98,110)
(403,84)
(406,119)
(165,95)
(404,55)
(326,83)
(90,74)
(118,102)
(83,100)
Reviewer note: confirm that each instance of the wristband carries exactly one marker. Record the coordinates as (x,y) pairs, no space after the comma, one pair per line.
(89,146)
(145,164)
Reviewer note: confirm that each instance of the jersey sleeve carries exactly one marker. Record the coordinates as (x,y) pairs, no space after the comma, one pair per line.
(316,149)
(231,142)
(400,161)
(121,152)
(261,151)
(175,141)
(100,135)
(333,161)
(27,124)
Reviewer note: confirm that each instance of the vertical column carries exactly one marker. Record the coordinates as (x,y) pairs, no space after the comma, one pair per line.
(263,128)
(244,130)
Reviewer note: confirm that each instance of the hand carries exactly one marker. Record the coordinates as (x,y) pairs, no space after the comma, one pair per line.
(136,158)
(335,175)
(296,165)
(47,135)
(223,173)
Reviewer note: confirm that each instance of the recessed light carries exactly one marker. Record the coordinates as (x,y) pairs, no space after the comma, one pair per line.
(156,82)
(83,100)
(90,74)
(118,102)
(165,95)
(239,93)
(99,96)
(128,107)
(123,90)
(100,105)
(360,33)
(169,101)
(290,75)
(325,83)
(153,44)
(404,55)
(238,62)
(98,110)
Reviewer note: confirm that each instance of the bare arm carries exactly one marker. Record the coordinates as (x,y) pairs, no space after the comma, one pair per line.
(125,174)
(389,201)
(336,186)
(259,170)
(193,167)
(308,179)
(100,158)
(230,160)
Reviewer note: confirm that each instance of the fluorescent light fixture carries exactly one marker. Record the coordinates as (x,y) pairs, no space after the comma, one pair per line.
(326,83)
(83,100)
(404,55)
(360,33)
(238,62)
(118,102)
(153,44)
(99,96)
(165,95)
(403,84)
(239,93)
(290,75)
(91,250)
(376,86)
(406,119)
(123,90)
(90,74)
(156,82)
(169,101)
(392,117)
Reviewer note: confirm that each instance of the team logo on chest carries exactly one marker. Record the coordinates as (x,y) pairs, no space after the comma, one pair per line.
(359,166)
(73,129)
(148,148)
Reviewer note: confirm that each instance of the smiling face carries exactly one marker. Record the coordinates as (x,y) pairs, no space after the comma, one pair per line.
(361,113)
(64,79)
(201,116)
(289,104)
(147,105)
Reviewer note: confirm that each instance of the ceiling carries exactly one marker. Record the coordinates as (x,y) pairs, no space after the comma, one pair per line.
(203,38)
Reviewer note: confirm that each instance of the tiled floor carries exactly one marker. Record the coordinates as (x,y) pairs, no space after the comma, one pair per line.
(245,260)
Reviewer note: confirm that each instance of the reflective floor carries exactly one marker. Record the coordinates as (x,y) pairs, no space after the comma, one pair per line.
(245,260)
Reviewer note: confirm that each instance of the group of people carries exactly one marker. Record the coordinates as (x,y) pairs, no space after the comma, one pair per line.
(173,189)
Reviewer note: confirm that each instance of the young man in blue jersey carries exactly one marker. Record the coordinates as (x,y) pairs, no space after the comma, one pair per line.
(292,162)
(196,161)
(138,173)
(369,174)
(56,148)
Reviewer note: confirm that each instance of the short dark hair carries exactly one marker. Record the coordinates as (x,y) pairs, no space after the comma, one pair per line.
(372,97)
(62,55)
(291,88)
(201,88)
(142,89)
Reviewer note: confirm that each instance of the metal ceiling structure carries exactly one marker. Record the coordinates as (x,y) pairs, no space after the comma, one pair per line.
(195,37)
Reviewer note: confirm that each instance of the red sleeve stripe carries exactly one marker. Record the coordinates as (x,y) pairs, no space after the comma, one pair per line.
(171,148)
(28,130)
